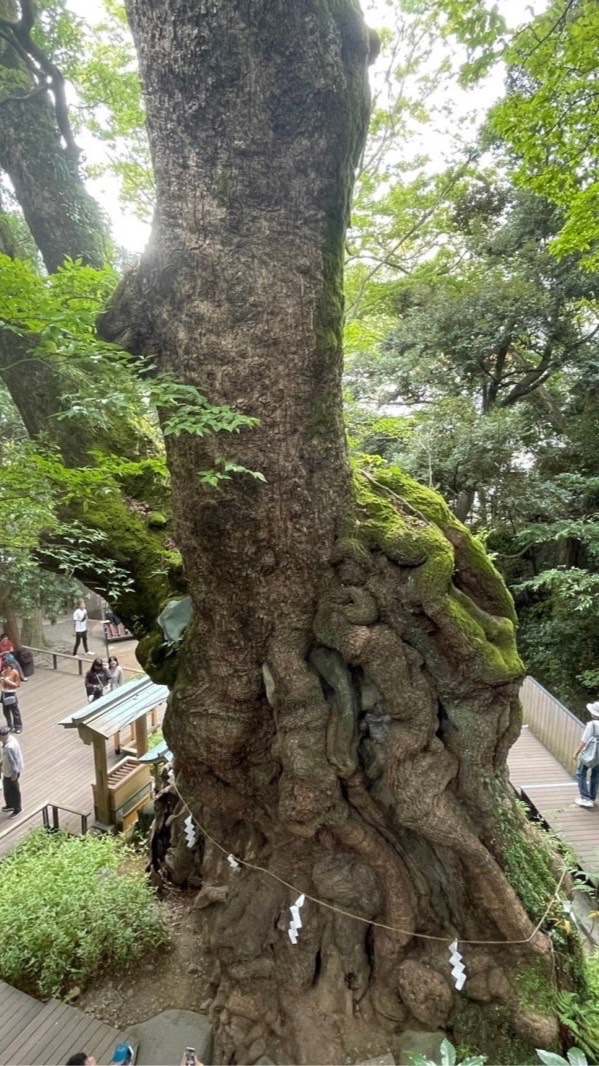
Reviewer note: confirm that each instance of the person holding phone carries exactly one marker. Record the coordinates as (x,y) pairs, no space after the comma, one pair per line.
(190,1058)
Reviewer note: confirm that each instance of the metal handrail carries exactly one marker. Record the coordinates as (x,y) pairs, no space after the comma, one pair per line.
(81,662)
(558,729)
(554,700)
(50,819)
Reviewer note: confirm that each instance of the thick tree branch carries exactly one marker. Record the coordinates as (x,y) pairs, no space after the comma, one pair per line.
(47,75)
(39,154)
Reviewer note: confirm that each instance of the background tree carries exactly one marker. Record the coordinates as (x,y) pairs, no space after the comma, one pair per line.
(494,362)
(549,118)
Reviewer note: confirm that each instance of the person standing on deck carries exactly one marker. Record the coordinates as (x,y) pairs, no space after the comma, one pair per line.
(9,684)
(12,766)
(80,627)
(97,681)
(115,672)
(587,754)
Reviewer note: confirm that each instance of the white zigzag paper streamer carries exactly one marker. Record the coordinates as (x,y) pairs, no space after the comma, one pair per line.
(458,970)
(232,862)
(296,923)
(190,831)
(171,776)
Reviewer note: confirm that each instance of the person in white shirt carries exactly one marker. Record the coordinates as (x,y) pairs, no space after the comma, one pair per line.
(587,775)
(12,764)
(80,627)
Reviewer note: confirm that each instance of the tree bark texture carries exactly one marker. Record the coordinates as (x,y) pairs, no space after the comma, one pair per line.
(8,617)
(347,690)
(63,218)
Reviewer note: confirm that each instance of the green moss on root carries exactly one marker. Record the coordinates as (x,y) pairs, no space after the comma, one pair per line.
(527,859)
(433,508)
(486,1030)
(533,987)
(157,520)
(414,527)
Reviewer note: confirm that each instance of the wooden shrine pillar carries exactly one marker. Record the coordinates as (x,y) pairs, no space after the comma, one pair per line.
(141,736)
(103,813)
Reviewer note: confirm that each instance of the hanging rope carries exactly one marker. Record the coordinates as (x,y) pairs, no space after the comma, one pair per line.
(449,940)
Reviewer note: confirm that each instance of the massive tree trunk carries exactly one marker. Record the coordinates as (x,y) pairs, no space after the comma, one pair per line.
(347,690)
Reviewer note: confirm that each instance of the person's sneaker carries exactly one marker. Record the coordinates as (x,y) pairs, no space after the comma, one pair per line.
(584,803)
(7,808)
(14,814)
(17,730)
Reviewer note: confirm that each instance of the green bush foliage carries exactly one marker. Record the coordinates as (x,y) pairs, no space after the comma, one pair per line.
(70,908)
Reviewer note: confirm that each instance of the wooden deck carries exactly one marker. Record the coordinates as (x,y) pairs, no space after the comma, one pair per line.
(47,1034)
(58,767)
(551,790)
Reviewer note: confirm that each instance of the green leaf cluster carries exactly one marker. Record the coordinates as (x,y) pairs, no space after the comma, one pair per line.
(70,908)
(549,118)
(191,412)
(449,1057)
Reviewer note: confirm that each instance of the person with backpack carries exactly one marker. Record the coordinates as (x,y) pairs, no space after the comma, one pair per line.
(587,754)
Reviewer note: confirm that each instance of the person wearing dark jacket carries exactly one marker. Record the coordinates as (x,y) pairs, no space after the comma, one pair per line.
(96,680)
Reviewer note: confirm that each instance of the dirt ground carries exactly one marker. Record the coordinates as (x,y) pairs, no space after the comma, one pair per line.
(176,977)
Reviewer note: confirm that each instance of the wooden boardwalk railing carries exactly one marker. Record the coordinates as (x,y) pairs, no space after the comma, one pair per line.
(58,767)
(71,664)
(542,768)
(551,722)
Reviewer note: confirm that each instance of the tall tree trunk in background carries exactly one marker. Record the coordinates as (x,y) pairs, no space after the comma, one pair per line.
(44,170)
(9,622)
(32,629)
(464,504)
(347,689)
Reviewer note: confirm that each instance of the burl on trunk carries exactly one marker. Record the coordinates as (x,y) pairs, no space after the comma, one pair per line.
(347,691)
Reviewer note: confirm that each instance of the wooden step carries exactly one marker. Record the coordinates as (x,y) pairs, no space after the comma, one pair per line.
(18,1010)
(56,1032)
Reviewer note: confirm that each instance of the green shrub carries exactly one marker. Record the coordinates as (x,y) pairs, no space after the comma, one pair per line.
(70,908)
